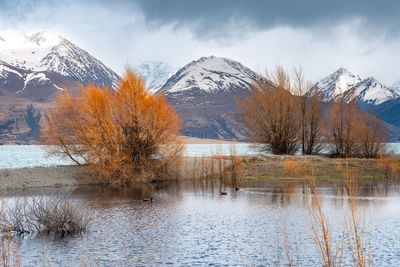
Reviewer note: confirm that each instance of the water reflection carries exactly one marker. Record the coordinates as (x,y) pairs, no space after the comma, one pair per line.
(190,223)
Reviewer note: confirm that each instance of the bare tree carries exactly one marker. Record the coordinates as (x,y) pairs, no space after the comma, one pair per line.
(310,111)
(353,132)
(374,136)
(271,114)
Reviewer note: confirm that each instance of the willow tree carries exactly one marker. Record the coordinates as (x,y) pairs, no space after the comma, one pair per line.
(352,132)
(271,114)
(124,135)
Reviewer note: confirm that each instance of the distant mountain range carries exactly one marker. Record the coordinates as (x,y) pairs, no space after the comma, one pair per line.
(34,68)
(371,94)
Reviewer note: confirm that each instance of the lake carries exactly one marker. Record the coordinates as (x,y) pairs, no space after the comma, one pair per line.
(14,156)
(191,224)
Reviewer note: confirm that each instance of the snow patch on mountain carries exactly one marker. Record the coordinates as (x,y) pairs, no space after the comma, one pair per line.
(33,76)
(5,71)
(371,92)
(211,75)
(155,74)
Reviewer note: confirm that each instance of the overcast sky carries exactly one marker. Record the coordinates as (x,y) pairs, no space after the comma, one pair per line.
(320,36)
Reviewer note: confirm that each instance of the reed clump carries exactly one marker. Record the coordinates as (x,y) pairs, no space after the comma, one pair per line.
(389,165)
(292,167)
(40,215)
(8,251)
(354,233)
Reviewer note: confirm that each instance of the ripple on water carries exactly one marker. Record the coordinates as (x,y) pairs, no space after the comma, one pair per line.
(187,225)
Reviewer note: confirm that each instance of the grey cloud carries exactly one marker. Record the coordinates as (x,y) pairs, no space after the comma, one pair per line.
(208,16)
(214,19)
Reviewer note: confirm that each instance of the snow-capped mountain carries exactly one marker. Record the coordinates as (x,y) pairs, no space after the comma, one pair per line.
(48,52)
(155,74)
(351,86)
(205,93)
(335,84)
(212,75)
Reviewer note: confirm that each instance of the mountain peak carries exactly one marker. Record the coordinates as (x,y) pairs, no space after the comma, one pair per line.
(43,51)
(211,75)
(335,84)
(349,85)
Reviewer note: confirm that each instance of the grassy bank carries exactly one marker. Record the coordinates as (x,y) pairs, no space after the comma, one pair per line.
(319,166)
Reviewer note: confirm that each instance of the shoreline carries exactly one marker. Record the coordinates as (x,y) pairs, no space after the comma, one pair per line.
(35,177)
(255,167)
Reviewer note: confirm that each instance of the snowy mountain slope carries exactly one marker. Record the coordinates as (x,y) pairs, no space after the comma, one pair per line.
(48,52)
(205,93)
(351,86)
(370,91)
(212,75)
(155,74)
(33,85)
(335,84)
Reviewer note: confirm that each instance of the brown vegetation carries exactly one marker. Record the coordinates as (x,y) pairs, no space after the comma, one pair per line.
(55,215)
(279,120)
(389,165)
(280,117)
(354,232)
(124,135)
(354,133)
(270,114)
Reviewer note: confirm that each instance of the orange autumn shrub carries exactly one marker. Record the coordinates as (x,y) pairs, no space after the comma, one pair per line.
(126,135)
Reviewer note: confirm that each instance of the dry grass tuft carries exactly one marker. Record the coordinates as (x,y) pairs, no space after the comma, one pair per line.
(389,165)
(292,167)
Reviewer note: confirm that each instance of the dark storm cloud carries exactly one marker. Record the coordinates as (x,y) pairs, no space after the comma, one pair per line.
(207,16)
(210,19)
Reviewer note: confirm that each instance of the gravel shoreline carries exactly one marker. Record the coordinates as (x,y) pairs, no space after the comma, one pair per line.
(41,177)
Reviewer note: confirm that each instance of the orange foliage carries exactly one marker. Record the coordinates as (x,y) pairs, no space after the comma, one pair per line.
(125,135)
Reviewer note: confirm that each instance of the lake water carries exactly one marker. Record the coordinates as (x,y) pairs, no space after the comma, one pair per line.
(191,224)
(15,156)
(32,155)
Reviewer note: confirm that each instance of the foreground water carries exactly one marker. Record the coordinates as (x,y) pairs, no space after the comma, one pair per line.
(33,155)
(190,223)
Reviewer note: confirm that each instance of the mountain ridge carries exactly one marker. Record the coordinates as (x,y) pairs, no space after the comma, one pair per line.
(351,86)
(43,51)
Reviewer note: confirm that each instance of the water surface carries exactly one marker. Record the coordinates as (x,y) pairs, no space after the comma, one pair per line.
(190,223)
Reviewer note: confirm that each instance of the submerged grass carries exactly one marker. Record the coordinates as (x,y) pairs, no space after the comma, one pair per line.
(40,215)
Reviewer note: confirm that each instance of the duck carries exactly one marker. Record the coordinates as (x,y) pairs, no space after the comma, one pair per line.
(148,199)
(224,193)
